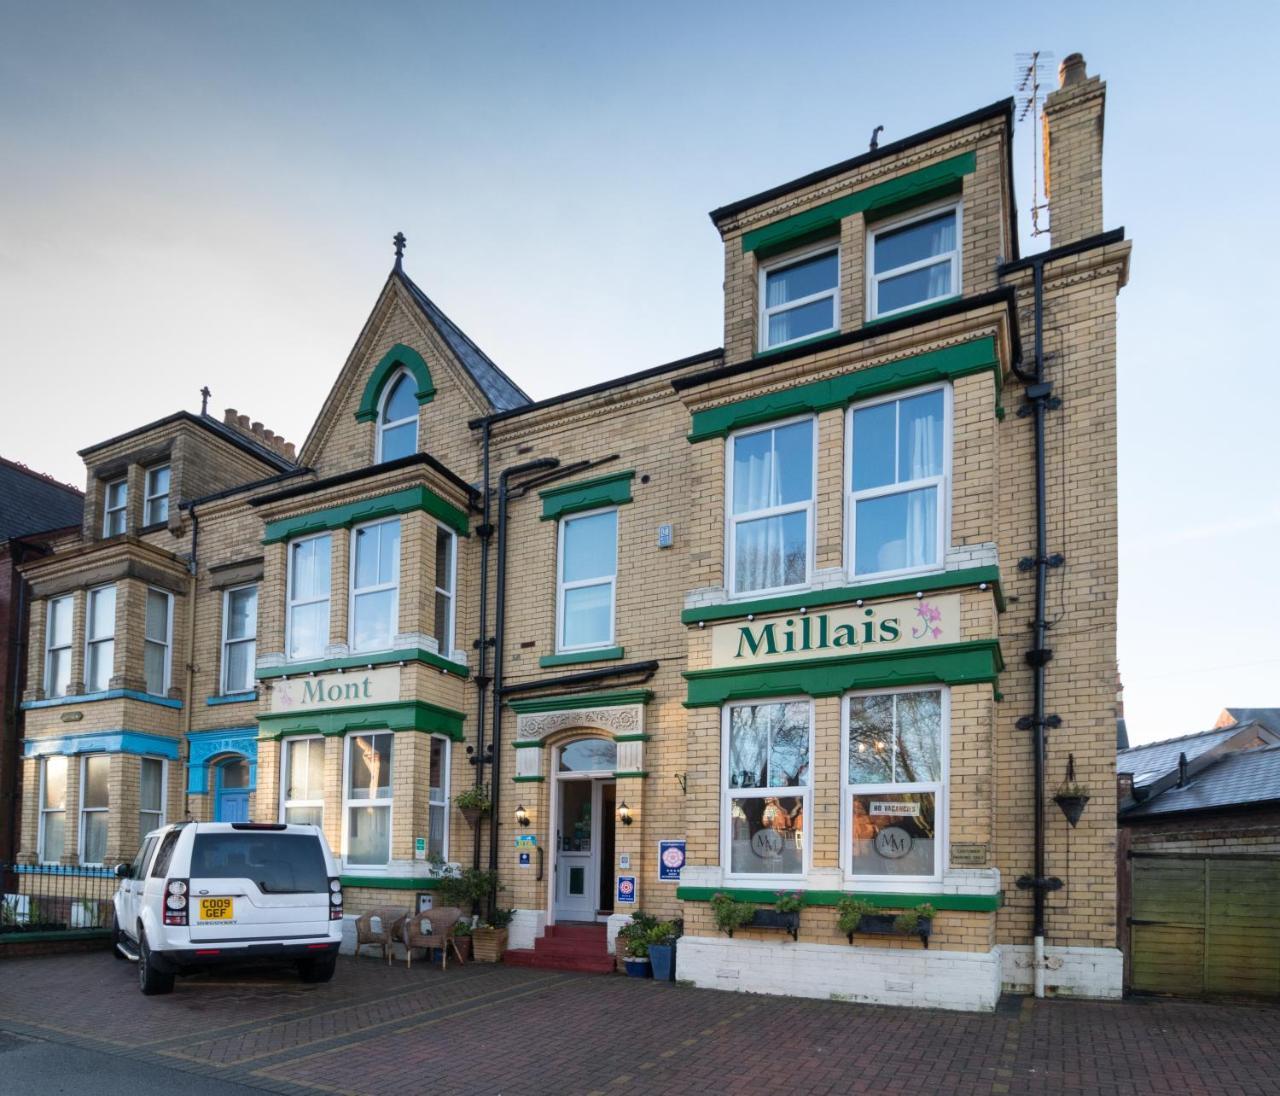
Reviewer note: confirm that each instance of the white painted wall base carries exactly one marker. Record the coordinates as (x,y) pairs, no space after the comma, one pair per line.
(884,976)
(526,927)
(1069,972)
(615,922)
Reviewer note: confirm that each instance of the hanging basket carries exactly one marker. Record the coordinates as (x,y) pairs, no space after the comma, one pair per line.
(1072,806)
(473,815)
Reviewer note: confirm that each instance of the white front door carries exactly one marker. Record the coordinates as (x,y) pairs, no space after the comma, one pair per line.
(577,849)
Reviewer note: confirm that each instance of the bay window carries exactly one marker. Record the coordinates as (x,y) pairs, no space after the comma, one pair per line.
(303,783)
(151,781)
(900,462)
(239,638)
(914,261)
(446,577)
(156,500)
(771,478)
(367,802)
(100,639)
(57,647)
(94,803)
(157,645)
(895,776)
(375,585)
(307,619)
(587,581)
(438,799)
(799,297)
(115,499)
(768,788)
(53,809)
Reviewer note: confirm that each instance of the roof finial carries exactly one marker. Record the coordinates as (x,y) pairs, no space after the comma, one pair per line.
(204,400)
(875,138)
(399,240)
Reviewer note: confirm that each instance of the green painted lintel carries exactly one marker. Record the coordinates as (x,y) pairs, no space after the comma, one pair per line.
(404,715)
(944,364)
(632,737)
(528,779)
(574,658)
(359,662)
(399,356)
(590,494)
(390,882)
(404,501)
(614,699)
(528,744)
(983,903)
(623,774)
(947,580)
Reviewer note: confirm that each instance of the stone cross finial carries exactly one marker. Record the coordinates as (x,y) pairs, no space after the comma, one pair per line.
(204,400)
(399,240)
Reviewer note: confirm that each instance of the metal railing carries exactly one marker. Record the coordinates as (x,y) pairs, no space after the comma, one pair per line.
(54,898)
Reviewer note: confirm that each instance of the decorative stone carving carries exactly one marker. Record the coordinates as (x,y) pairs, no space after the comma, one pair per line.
(625,719)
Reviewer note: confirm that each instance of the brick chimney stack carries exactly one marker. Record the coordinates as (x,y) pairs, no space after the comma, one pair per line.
(1073,117)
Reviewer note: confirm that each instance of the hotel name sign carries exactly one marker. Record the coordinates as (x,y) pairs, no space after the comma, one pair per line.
(344,690)
(838,632)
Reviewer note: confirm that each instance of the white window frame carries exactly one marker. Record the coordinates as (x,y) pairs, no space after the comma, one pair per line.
(874,279)
(790,259)
(451,593)
(286,758)
(348,743)
(942,802)
(49,647)
(168,642)
(443,801)
(728,794)
(144,829)
(109,511)
(228,642)
(383,427)
(291,604)
(562,586)
(90,640)
(376,588)
(85,759)
(151,496)
(40,828)
(941,482)
(732,520)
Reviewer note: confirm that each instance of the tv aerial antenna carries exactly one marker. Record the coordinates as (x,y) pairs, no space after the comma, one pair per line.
(1032,76)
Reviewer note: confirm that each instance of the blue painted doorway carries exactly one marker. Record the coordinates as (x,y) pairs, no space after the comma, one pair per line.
(231,791)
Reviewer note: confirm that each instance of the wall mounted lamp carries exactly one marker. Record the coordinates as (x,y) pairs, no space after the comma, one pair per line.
(624,813)
(522,816)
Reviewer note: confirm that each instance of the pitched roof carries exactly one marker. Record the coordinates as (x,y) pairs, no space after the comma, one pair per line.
(31,502)
(499,389)
(1238,778)
(1268,717)
(1154,759)
(235,437)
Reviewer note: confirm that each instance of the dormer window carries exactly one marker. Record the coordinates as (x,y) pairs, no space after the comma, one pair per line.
(157,499)
(115,507)
(914,261)
(398,419)
(799,297)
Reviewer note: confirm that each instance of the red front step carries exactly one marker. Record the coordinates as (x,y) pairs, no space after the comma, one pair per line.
(582,964)
(573,947)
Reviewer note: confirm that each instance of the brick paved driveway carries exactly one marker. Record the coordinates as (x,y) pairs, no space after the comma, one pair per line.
(490,1029)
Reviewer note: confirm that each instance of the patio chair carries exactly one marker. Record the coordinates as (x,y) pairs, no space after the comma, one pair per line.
(431,929)
(379,927)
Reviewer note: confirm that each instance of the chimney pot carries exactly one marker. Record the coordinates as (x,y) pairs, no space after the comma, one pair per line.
(1071,71)
(229,416)
(289,450)
(257,429)
(242,422)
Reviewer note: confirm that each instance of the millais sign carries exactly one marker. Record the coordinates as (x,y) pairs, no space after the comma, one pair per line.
(839,632)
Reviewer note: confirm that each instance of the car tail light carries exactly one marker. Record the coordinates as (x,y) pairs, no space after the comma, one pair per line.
(175,902)
(335,899)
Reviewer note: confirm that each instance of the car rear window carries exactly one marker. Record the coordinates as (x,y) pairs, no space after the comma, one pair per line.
(161,867)
(279,863)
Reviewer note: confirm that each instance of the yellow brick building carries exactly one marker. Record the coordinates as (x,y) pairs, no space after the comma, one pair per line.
(824,612)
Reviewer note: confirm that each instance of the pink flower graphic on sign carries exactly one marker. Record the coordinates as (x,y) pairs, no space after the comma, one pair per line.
(930,622)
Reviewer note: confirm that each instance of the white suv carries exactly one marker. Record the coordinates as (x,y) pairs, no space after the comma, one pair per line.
(203,893)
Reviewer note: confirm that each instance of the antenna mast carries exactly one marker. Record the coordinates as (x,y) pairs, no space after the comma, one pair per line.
(1030,97)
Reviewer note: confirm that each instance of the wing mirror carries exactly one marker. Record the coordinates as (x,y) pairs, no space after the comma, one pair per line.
(123,871)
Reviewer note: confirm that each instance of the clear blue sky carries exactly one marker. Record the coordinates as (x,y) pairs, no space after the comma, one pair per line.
(205,194)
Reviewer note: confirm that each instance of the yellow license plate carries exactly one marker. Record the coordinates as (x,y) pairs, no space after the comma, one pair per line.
(216,909)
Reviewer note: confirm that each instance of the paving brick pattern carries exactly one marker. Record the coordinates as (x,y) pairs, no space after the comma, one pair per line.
(494,1029)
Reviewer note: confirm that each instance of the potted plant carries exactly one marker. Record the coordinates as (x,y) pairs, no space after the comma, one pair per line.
(463,888)
(662,949)
(462,938)
(474,803)
(784,915)
(489,940)
(633,944)
(730,914)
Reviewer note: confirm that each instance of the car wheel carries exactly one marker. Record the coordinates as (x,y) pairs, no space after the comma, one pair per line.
(116,937)
(318,970)
(151,980)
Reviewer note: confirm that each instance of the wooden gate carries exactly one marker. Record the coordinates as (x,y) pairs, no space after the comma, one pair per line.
(1204,925)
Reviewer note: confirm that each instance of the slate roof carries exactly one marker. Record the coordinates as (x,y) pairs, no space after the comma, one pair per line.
(236,437)
(1153,759)
(1245,776)
(1268,717)
(33,503)
(500,390)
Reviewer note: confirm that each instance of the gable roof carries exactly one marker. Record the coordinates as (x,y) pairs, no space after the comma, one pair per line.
(1152,760)
(500,390)
(31,502)
(1235,779)
(1268,717)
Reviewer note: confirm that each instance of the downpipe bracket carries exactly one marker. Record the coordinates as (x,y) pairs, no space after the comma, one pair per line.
(1029,563)
(1043,884)
(1028,723)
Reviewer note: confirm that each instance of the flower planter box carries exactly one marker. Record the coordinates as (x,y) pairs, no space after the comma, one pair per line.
(772,919)
(662,957)
(638,968)
(882,924)
(487,945)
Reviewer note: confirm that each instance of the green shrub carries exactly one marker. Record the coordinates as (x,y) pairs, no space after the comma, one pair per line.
(731,914)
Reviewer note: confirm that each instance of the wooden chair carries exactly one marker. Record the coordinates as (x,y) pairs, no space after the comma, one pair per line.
(379,927)
(431,929)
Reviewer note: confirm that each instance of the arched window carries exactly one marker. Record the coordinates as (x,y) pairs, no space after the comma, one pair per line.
(398,419)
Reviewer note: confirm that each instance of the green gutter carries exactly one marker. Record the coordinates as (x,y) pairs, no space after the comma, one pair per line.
(345,516)
(984,903)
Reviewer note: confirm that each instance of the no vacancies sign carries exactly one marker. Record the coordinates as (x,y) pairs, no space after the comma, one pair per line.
(346,690)
(839,632)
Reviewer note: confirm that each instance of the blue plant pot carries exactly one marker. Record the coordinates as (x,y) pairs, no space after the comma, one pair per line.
(638,968)
(663,959)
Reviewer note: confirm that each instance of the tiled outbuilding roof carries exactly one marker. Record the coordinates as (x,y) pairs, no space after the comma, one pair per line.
(1154,759)
(1238,778)
(33,503)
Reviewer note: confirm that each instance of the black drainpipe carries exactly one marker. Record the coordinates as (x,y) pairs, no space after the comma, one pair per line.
(485,532)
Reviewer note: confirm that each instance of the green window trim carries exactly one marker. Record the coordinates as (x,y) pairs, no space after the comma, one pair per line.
(632,737)
(359,662)
(573,658)
(591,494)
(404,715)
(405,501)
(945,364)
(528,744)
(948,580)
(976,662)
(623,774)
(883,199)
(399,356)
(528,779)
(614,699)
(390,882)
(981,903)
